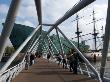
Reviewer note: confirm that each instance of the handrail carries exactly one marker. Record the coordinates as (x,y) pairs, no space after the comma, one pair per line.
(14,66)
(34,43)
(83,70)
(80,67)
(82,56)
(18,50)
(10,73)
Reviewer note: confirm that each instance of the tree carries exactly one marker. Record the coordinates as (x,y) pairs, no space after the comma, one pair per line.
(9,50)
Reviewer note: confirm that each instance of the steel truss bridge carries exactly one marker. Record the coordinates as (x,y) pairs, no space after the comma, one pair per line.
(6,75)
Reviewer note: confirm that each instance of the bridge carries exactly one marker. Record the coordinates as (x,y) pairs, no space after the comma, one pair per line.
(50,72)
(45,70)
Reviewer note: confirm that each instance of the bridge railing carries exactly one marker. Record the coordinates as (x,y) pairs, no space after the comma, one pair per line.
(82,68)
(10,74)
(107,68)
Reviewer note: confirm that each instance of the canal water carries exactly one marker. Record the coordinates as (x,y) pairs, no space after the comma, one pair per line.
(1,64)
(97,65)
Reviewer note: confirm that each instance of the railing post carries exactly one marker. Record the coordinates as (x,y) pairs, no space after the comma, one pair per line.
(80,67)
(106,42)
(31,42)
(8,25)
(87,70)
(53,44)
(35,47)
(50,46)
(45,49)
(34,43)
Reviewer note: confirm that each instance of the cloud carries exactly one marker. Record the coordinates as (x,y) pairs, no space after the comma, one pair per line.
(52,10)
(28,23)
(27,9)
(8,42)
(101,10)
(27,13)
(3,8)
(69,28)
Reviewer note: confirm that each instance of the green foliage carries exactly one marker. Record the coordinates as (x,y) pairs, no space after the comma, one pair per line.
(9,50)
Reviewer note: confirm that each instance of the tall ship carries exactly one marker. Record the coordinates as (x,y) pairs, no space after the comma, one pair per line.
(94,54)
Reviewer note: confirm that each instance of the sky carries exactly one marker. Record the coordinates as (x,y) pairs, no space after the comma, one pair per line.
(52,10)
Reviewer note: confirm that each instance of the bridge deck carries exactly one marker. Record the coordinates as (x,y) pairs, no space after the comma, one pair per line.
(49,72)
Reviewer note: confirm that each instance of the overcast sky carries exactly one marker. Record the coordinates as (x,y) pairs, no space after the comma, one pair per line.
(54,9)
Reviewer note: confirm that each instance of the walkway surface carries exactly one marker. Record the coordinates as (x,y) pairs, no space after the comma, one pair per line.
(44,71)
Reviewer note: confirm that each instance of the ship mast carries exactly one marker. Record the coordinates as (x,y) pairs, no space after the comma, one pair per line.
(77,32)
(94,31)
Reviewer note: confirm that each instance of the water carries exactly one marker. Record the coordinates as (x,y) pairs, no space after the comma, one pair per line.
(107,67)
(1,64)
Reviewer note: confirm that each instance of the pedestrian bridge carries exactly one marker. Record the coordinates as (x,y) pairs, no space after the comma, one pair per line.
(44,71)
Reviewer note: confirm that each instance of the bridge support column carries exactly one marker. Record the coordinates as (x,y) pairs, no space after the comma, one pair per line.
(8,25)
(62,52)
(82,56)
(18,50)
(106,42)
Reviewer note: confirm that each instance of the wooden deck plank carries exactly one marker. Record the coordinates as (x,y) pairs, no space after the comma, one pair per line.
(45,71)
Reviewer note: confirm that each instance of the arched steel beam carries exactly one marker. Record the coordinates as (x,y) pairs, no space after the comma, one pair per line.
(18,50)
(106,42)
(71,12)
(8,25)
(39,10)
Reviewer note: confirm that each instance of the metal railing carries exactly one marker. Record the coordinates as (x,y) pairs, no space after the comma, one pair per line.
(10,74)
(82,68)
(7,75)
